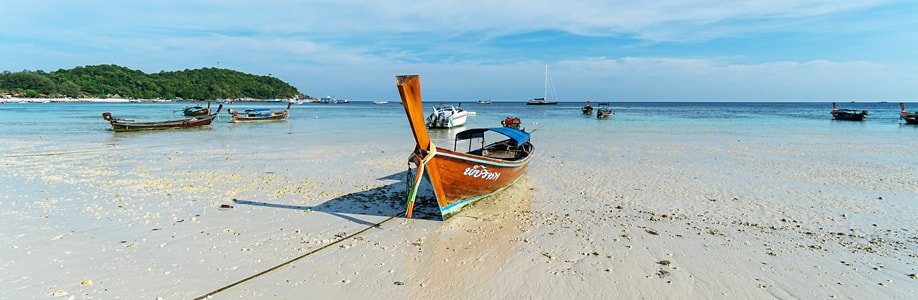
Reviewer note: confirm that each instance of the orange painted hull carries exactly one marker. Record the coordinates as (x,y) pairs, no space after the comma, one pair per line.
(461,179)
(458,179)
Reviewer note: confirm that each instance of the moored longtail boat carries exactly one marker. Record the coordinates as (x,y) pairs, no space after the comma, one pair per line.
(909,117)
(587,109)
(848,114)
(119,124)
(194,111)
(461,178)
(260,114)
(604,111)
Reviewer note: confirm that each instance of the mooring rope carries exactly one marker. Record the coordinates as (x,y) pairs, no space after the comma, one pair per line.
(281,265)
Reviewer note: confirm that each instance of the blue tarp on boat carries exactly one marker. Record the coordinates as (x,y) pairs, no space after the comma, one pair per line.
(518,136)
(258,112)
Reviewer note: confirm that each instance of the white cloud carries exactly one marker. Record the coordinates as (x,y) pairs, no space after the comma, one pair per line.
(332,47)
(654,20)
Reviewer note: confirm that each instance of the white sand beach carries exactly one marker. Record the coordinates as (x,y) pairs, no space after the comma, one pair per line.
(653,215)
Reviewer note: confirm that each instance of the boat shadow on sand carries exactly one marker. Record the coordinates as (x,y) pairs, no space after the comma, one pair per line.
(384,201)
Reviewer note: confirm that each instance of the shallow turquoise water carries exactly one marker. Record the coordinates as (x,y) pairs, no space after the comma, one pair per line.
(74,125)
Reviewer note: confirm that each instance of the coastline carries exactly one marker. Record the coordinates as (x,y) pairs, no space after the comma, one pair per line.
(119,100)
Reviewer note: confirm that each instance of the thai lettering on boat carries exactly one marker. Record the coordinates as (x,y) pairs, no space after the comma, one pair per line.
(479,171)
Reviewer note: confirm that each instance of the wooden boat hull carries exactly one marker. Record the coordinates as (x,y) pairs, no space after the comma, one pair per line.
(847,116)
(176,124)
(121,125)
(458,179)
(275,116)
(195,113)
(463,179)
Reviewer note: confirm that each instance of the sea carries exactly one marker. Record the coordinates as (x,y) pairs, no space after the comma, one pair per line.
(34,127)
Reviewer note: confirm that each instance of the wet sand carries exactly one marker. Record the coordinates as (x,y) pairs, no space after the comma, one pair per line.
(649,215)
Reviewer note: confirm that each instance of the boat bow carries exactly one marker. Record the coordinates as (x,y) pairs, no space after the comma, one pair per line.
(458,178)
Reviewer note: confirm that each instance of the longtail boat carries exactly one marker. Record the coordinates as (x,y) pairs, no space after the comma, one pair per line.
(909,117)
(120,124)
(260,114)
(194,111)
(848,114)
(461,178)
(604,111)
(587,109)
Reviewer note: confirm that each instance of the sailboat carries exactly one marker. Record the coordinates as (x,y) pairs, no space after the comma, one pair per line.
(544,100)
(461,178)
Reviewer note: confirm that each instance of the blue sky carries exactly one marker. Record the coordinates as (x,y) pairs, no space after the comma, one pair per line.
(672,50)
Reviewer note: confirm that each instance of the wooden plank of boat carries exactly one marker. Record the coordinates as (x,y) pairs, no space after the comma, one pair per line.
(119,124)
(460,179)
(274,116)
(909,117)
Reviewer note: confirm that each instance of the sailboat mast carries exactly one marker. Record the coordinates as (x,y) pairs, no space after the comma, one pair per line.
(545,94)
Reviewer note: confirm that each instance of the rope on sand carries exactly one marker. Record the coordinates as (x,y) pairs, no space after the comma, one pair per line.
(266,271)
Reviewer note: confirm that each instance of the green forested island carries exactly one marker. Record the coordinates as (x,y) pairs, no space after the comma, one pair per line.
(106,81)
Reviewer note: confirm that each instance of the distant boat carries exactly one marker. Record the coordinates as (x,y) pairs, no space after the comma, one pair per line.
(848,114)
(909,117)
(484,101)
(446,116)
(544,100)
(380,102)
(330,100)
(198,110)
(587,109)
(461,178)
(260,114)
(604,111)
(119,124)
